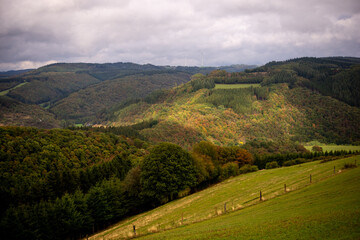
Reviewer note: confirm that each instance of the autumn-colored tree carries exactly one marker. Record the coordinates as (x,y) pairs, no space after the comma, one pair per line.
(244,157)
(317,149)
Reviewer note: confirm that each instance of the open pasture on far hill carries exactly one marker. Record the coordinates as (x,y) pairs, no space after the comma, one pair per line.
(3,93)
(232,86)
(328,205)
(331,147)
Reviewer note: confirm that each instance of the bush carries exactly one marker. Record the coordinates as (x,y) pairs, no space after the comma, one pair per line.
(248,168)
(349,165)
(289,163)
(271,165)
(229,170)
(295,162)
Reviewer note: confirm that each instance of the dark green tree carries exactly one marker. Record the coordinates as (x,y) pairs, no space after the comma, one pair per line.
(166,171)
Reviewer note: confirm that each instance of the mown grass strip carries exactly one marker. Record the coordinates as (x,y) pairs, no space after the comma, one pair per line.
(233,86)
(3,93)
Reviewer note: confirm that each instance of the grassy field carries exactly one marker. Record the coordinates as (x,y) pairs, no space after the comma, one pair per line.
(3,93)
(329,209)
(332,147)
(318,205)
(232,86)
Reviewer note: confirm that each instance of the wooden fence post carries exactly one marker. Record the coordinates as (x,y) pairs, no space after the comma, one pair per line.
(182,218)
(260,196)
(134,228)
(224,207)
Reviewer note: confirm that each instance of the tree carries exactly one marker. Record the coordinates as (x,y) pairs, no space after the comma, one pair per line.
(166,171)
(317,149)
(207,149)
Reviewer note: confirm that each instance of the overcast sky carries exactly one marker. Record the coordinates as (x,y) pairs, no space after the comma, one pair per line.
(175,32)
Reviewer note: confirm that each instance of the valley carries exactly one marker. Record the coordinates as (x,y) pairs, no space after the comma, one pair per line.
(181,152)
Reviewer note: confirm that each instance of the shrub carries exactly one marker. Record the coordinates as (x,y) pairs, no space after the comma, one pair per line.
(349,165)
(289,163)
(271,165)
(295,162)
(228,170)
(248,168)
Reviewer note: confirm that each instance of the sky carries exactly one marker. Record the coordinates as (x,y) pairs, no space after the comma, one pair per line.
(34,33)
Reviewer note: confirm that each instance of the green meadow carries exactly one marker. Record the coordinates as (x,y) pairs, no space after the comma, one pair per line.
(3,93)
(232,86)
(326,208)
(331,147)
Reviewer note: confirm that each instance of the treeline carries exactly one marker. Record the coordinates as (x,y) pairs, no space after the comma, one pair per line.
(224,77)
(282,76)
(131,131)
(199,81)
(289,159)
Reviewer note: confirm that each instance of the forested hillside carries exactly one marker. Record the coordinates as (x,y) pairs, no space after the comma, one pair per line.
(83,92)
(82,181)
(13,112)
(86,103)
(298,100)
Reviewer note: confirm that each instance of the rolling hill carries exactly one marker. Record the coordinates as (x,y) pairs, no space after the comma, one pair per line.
(81,92)
(284,107)
(13,112)
(85,179)
(326,208)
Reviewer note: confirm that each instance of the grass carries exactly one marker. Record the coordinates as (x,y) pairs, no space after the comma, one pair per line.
(3,93)
(327,210)
(232,86)
(254,220)
(331,147)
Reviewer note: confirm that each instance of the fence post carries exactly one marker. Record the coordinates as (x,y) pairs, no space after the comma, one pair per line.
(182,218)
(310,178)
(260,196)
(334,169)
(284,187)
(224,207)
(134,228)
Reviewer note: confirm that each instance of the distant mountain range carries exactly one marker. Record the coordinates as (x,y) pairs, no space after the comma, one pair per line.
(12,73)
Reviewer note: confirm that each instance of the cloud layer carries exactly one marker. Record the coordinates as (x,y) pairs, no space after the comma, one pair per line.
(184,32)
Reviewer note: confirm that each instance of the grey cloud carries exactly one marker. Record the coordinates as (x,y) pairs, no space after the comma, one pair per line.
(175,32)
